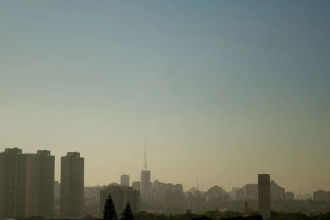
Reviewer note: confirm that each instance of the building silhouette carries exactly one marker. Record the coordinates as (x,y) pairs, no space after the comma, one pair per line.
(251,192)
(72,186)
(57,190)
(13,171)
(40,184)
(145,181)
(136,185)
(121,195)
(26,183)
(264,201)
(124,180)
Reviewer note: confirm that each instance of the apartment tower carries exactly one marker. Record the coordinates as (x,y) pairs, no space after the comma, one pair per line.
(264,196)
(13,175)
(40,184)
(124,180)
(72,186)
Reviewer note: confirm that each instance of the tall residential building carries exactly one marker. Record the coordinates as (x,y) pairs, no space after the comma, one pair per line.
(72,186)
(321,195)
(120,196)
(26,184)
(145,181)
(57,190)
(264,196)
(136,185)
(124,180)
(276,192)
(251,192)
(40,184)
(13,178)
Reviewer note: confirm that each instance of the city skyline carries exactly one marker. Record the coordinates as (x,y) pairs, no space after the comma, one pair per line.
(222,91)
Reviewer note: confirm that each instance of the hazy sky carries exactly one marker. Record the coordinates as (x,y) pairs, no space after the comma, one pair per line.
(223,90)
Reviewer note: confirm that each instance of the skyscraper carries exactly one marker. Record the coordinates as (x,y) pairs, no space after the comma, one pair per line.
(13,174)
(26,183)
(264,196)
(124,180)
(72,186)
(40,184)
(145,174)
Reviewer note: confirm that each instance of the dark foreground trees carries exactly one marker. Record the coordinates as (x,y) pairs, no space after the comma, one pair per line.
(109,212)
(127,213)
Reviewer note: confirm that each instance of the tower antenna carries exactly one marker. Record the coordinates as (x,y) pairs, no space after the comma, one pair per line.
(145,154)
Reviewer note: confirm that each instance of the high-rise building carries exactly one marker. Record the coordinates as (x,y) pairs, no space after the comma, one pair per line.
(13,174)
(146,184)
(264,196)
(57,190)
(136,185)
(145,181)
(72,186)
(251,192)
(321,195)
(124,180)
(40,184)
(26,184)
(120,195)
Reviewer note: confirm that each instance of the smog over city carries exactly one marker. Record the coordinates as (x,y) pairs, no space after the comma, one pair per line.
(165,110)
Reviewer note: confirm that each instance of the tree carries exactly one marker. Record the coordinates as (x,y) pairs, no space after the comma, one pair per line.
(127,213)
(109,212)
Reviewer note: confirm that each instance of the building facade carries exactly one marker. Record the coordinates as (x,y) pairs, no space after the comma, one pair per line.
(26,184)
(40,184)
(72,186)
(57,190)
(124,180)
(136,185)
(251,192)
(321,195)
(145,181)
(120,195)
(289,196)
(13,171)
(264,199)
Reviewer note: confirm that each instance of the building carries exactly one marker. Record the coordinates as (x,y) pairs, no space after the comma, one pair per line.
(124,180)
(136,185)
(26,184)
(145,181)
(13,176)
(57,190)
(264,202)
(289,196)
(240,194)
(251,192)
(40,184)
(277,192)
(121,195)
(72,186)
(321,195)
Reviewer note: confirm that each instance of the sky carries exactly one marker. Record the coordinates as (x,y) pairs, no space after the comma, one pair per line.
(222,90)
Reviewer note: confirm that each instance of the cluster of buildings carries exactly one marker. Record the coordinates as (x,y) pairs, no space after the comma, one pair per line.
(250,192)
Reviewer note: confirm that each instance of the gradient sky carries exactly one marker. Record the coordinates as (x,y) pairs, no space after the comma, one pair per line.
(223,90)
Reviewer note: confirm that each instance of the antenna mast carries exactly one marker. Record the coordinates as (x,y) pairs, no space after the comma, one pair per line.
(145,154)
